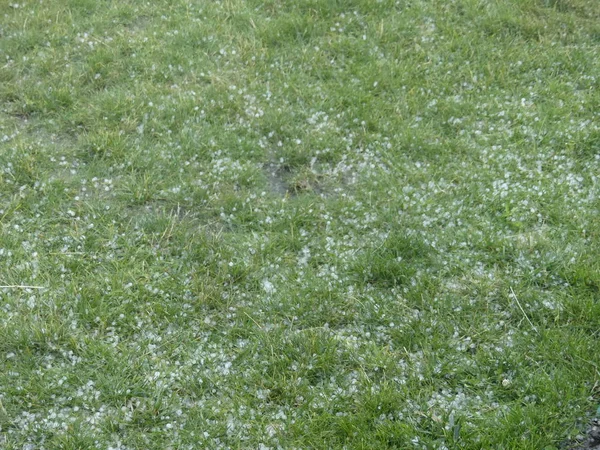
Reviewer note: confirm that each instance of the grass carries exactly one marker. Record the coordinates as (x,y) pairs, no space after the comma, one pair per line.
(310,224)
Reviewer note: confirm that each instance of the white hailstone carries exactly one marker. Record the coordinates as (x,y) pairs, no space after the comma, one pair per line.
(268,286)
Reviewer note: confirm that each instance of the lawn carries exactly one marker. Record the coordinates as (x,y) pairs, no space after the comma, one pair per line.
(359,224)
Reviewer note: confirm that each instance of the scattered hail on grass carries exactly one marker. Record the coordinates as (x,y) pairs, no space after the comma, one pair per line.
(298,224)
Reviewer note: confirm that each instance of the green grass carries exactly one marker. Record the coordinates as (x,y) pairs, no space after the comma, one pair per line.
(299,224)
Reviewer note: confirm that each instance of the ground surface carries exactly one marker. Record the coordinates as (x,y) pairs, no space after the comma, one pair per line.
(299,224)
(589,442)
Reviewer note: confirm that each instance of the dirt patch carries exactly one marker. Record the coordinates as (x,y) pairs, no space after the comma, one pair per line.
(277,177)
(592,441)
(290,183)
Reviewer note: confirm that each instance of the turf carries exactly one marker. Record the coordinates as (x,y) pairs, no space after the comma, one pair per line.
(299,224)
